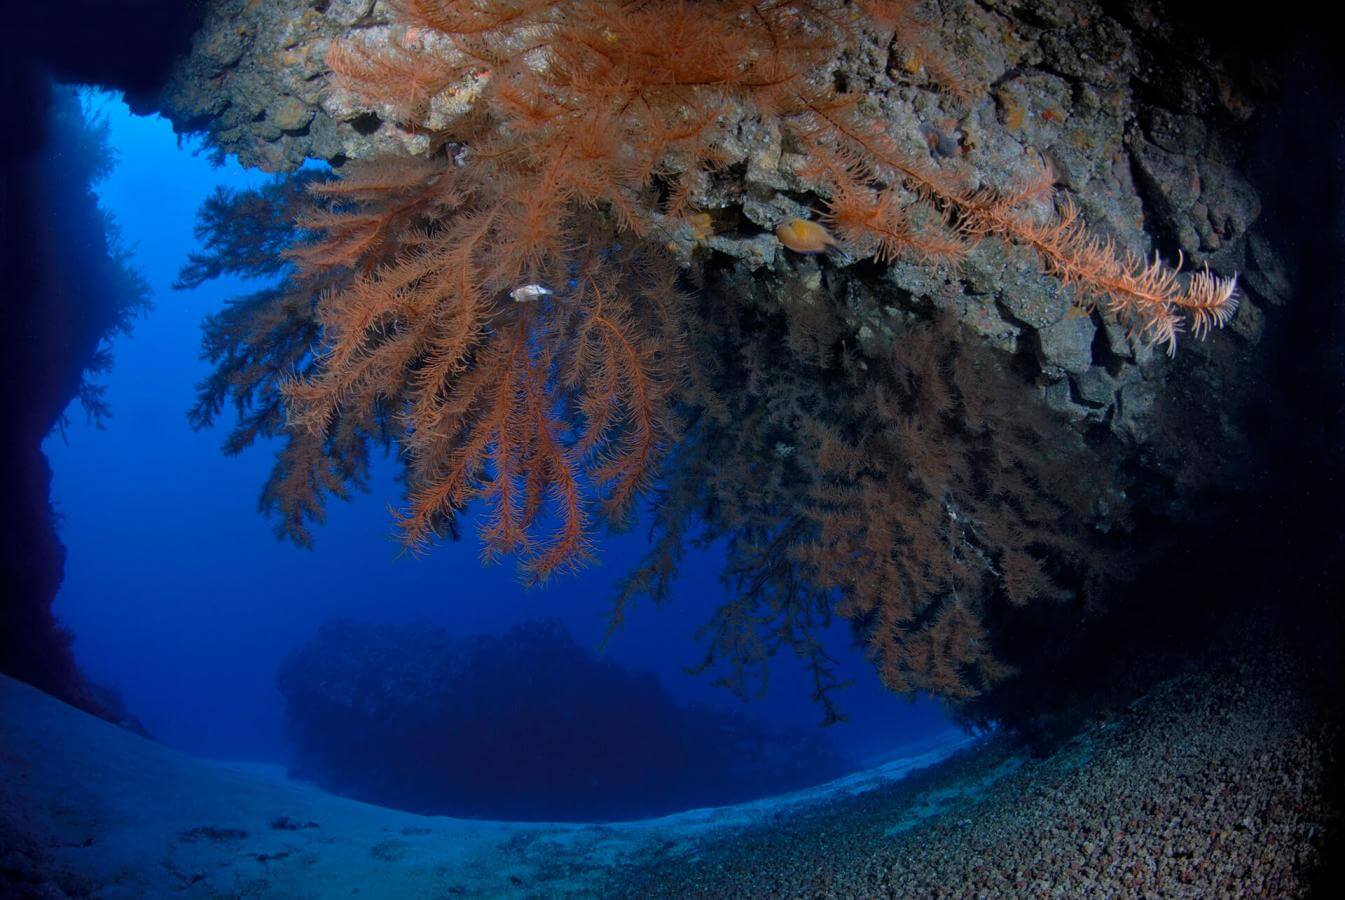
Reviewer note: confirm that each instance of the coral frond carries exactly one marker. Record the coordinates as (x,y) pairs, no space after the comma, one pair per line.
(498,312)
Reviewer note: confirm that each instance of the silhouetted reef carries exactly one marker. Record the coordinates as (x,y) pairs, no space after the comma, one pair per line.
(68,288)
(63,288)
(527,725)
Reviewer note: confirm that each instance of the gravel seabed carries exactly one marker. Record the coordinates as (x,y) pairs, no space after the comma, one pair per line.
(1214,784)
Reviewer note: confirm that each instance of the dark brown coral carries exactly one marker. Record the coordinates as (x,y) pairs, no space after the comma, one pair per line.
(911,493)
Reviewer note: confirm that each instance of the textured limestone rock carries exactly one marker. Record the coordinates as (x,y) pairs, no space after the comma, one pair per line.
(257,83)
(1067,345)
(1134,402)
(1144,139)
(1095,386)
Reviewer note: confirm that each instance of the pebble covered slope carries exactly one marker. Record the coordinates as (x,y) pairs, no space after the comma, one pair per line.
(1212,785)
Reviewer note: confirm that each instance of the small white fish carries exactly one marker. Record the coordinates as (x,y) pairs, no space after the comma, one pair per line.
(528,293)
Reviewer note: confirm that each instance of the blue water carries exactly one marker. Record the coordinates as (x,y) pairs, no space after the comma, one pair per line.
(180,597)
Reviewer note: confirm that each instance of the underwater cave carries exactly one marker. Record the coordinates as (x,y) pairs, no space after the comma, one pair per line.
(708,448)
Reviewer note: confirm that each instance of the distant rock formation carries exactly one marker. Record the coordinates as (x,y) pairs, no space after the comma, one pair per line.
(526,726)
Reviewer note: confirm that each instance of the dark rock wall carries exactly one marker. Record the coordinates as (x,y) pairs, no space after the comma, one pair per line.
(1254,546)
(55,310)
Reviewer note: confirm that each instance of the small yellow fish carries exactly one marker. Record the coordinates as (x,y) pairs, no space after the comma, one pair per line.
(803,236)
(702,227)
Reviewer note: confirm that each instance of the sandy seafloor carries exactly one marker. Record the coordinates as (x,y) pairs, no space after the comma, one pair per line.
(1211,785)
(89,808)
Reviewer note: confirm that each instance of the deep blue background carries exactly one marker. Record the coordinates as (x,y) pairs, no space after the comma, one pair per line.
(180,596)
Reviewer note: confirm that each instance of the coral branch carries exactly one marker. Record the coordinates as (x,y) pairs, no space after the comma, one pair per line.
(501,311)
(851,154)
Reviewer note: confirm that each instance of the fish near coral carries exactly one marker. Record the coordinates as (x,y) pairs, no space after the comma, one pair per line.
(528,293)
(702,227)
(803,236)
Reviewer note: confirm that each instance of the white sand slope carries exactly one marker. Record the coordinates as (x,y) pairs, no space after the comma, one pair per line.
(89,805)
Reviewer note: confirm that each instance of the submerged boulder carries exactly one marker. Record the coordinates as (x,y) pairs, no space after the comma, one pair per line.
(528,725)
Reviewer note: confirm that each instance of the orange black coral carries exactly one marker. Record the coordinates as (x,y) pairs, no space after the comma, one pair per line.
(499,310)
(618,107)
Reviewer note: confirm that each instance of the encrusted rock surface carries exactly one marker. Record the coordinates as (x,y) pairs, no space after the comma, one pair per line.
(257,82)
(1146,141)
